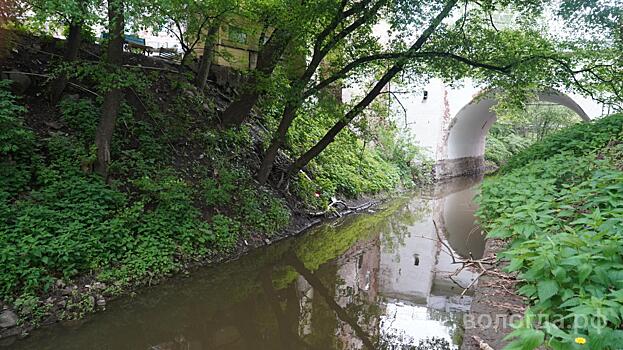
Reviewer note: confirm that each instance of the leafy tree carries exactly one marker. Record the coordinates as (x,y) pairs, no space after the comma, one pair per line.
(517,61)
(76,15)
(114,96)
(345,26)
(190,30)
(535,121)
(137,14)
(291,21)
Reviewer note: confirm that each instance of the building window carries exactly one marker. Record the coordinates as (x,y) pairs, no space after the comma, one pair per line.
(237,35)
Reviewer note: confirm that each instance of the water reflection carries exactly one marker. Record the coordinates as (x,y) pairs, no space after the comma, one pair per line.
(376,281)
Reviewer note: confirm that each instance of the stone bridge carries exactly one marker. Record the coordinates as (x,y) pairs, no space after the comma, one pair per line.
(452,123)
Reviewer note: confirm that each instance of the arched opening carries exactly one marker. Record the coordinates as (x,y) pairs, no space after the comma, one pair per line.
(464,142)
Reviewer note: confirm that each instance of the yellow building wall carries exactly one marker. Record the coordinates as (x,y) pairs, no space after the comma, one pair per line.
(233,53)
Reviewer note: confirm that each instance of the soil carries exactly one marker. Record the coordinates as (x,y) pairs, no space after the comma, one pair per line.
(495,306)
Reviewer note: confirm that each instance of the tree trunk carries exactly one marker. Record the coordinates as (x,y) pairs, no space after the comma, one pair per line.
(328,138)
(268,59)
(112,99)
(71,53)
(276,143)
(299,94)
(208,54)
(288,116)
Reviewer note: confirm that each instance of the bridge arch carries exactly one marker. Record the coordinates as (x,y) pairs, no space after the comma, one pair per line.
(463,144)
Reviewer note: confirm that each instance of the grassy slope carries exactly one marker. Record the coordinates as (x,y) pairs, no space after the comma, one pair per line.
(560,205)
(181,190)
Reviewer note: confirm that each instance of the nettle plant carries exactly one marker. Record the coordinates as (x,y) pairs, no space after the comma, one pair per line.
(563,217)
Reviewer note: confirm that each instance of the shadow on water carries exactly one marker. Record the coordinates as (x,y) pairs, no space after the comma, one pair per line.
(372,281)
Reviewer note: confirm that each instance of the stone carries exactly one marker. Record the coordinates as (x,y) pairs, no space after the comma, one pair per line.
(8,319)
(52,124)
(20,82)
(101,302)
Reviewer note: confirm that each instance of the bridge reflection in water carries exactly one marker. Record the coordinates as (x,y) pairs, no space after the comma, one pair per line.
(376,280)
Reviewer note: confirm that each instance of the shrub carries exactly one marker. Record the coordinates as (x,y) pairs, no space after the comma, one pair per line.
(561,212)
(577,139)
(17,144)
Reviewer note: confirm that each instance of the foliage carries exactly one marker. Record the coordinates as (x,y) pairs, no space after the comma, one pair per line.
(500,149)
(496,151)
(348,166)
(16,143)
(147,223)
(535,121)
(578,139)
(562,213)
(256,209)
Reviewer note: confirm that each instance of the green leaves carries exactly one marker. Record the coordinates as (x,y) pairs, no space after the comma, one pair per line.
(577,140)
(562,214)
(528,339)
(547,289)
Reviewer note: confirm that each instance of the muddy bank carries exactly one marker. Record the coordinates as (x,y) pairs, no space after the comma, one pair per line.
(495,306)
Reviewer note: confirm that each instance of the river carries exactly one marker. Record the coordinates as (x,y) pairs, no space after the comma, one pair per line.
(374,280)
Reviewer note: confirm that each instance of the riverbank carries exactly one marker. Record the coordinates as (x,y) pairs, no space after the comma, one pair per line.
(341,284)
(87,296)
(495,306)
(552,217)
(181,189)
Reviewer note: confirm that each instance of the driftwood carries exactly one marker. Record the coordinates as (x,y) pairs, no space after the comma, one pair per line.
(332,208)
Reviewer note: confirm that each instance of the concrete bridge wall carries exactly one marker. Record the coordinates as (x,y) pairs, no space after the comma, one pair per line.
(452,124)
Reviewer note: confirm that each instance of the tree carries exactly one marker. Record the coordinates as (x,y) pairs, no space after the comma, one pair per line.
(208,54)
(286,24)
(535,121)
(76,15)
(480,51)
(114,96)
(374,92)
(267,61)
(341,29)
(189,21)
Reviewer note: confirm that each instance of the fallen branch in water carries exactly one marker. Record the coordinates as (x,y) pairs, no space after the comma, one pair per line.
(478,264)
(332,208)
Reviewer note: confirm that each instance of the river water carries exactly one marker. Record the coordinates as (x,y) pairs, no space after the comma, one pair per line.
(377,280)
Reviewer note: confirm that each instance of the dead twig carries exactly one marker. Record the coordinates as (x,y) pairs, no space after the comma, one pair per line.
(478,264)
(48,76)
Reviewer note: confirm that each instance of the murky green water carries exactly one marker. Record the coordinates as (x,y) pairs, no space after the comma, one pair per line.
(375,280)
